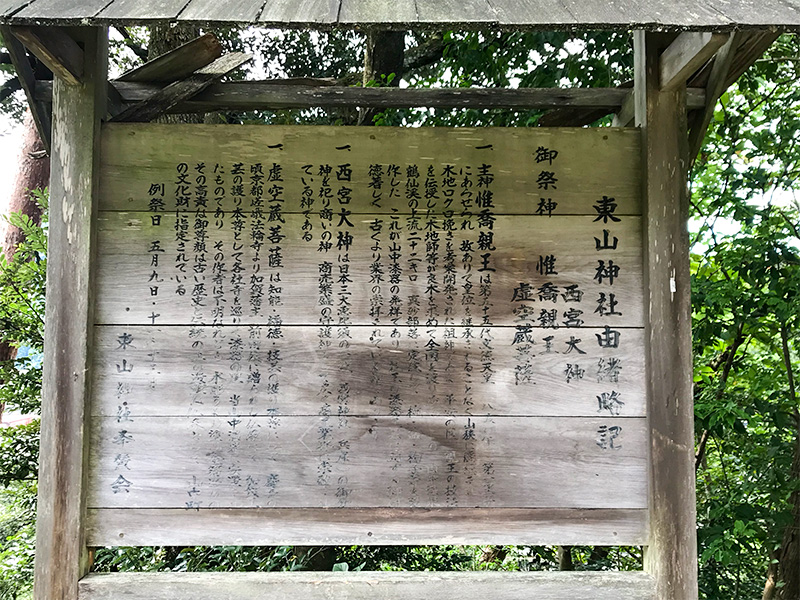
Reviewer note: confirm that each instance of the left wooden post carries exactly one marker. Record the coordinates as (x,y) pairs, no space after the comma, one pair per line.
(61,553)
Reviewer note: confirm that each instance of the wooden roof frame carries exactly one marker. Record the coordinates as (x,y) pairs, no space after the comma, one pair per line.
(675,72)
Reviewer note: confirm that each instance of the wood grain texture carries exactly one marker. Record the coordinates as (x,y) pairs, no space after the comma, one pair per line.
(144,10)
(134,157)
(179,63)
(56,49)
(716,86)
(233,11)
(686,13)
(126,284)
(9,7)
(428,388)
(676,15)
(533,11)
(296,462)
(253,95)
(672,552)
(388,11)
(753,11)
(60,9)
(368,586)
(468,11)
(175,93)
(40,111)
(685,55)
(300,11)
(60,551)
(365,526)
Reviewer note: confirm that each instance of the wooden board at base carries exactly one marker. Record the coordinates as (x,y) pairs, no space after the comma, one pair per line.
(366,526)
(603,585)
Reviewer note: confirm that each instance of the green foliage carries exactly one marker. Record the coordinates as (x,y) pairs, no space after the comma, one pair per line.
(746,293)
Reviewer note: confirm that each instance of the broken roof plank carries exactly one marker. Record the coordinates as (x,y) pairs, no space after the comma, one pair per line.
(140,10)
(300,11)
(61,9)
(390,11)
(178,63)
(175,93)
(234,11)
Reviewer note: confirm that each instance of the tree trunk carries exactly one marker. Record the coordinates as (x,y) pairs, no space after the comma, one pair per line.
(33,172)
(788,564)
(383,56)
(564,554)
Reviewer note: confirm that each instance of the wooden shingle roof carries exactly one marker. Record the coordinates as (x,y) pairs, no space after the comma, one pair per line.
(525,14)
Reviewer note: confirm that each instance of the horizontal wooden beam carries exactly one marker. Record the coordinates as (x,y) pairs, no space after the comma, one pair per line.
(178,63)
(56,49)
(265,95)
(158,103)
(381,526)
(686,54)
(365,585)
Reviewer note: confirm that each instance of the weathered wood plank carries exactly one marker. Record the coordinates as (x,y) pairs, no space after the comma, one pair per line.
(276,12)
(603,585)
(332,462)
(142,10)
(275,94)
(9,7)
(562,384)
(179,63)
(233,11)
(126,293)
(540,12)
(672,552)
(367,526)
(389,11)
(591,163)
(752,46)
(686,13)
(716,86)
(27,79)
(686,54)
(757,12)
(56,49)
(253,95)
(60,10)
(468,11)
(61,557)
(177,92)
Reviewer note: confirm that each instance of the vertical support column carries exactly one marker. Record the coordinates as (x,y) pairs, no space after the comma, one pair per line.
(671,555)
(61,555)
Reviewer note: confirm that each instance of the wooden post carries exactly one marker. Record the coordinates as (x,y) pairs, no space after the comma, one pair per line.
(61,556)
(671,555)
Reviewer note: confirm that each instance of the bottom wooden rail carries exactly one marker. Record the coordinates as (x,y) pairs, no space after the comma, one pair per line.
(603,585)
(368,526)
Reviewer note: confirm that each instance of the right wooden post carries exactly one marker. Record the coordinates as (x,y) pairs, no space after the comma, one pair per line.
(671,555)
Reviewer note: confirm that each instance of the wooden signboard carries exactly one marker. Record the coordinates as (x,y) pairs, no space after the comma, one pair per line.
(368,335)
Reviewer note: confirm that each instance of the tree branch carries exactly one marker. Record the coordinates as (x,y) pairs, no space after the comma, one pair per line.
(138,50)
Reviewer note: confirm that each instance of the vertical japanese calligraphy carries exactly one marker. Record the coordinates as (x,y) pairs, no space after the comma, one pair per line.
(341,318)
